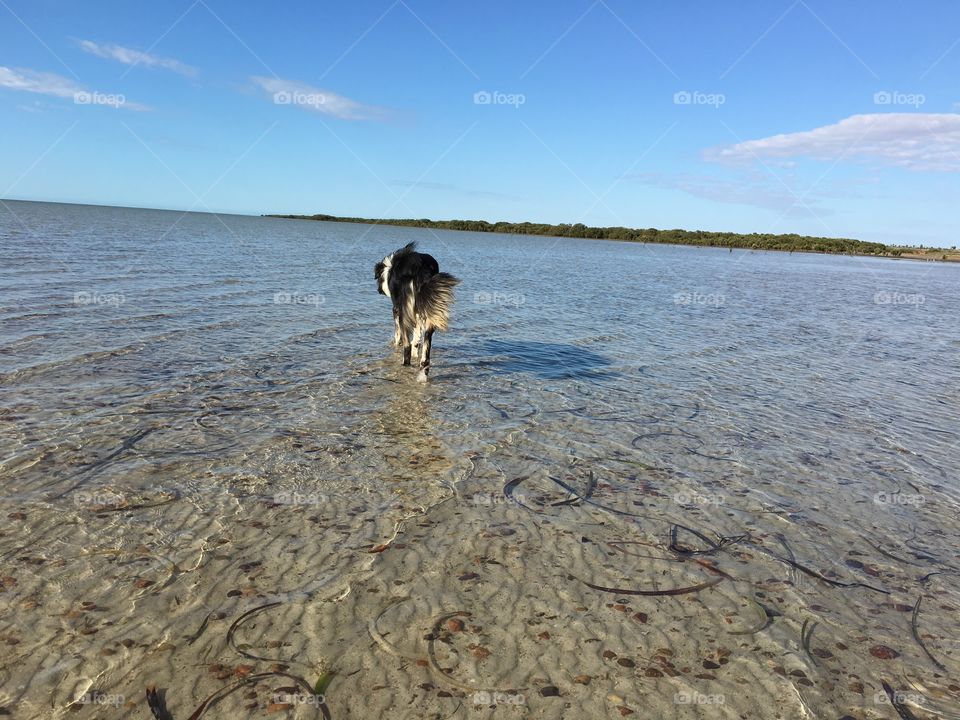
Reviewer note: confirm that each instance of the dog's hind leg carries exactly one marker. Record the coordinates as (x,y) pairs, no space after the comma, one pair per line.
(425,355)
(405,335)
(418,341)
(396,327)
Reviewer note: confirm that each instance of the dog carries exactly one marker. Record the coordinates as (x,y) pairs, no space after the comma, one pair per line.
(422,297)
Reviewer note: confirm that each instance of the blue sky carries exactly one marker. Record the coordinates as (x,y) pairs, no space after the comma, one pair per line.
(809,116)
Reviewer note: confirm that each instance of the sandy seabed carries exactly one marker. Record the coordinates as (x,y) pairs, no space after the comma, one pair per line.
(552,556)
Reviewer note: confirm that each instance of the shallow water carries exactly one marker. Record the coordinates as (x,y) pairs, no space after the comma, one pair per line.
(200,416)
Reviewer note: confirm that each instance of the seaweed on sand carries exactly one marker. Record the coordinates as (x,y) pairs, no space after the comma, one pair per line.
(713,546)
(902,710)
(672,591)
(588,501)
(764,618)
(916,635)
(590,489)
(236,624)
(378,636)
(98,466)
(222,693)
(814,574)
(432,653)
(805,637)
(510,487)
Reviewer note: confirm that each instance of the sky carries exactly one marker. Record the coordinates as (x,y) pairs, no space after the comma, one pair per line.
(817,117)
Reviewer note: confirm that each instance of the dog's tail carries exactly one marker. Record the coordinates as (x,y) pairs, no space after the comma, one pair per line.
(435,300)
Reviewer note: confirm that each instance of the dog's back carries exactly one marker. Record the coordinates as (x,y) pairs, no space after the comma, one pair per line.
(406,266)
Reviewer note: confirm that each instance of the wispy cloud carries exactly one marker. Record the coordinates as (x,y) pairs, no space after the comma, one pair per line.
(915,141)
(135,57)
(447,187)
(307,97)
(44,83)
(740,191)
(38,82)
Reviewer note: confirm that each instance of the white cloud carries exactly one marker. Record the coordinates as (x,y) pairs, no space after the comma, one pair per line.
(38,82)
(44,83)
(915,141)
(135,57)
(291,92)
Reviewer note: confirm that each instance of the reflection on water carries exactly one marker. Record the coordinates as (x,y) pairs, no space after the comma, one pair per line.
(551,361)
(728,484)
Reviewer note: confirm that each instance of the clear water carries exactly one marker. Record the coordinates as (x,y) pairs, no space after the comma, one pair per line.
(201,415)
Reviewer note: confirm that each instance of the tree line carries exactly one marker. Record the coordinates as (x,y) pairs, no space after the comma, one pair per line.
(751,241)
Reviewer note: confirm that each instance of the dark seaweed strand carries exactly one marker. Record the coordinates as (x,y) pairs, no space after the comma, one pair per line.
(714,545)
(157,704)
(672,591)
(503,413)
(569,489)
(236,623)
(650,435)
(510,487)
(98,466)
(890,555)
(902,710)
(806,636)
(686,551)
(916,635)
(793,558)
(710,457)
(220,694)
(818,576)
(591,486)
(203,626)
(710,567)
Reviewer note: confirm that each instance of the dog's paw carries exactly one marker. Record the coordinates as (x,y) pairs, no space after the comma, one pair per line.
(421,377)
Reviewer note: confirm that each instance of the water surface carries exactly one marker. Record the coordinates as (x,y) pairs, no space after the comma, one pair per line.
(201,416)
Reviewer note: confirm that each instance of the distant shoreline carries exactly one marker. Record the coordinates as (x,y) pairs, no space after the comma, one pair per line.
(694,238)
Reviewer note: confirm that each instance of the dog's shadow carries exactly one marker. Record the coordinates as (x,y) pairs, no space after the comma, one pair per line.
(550,361)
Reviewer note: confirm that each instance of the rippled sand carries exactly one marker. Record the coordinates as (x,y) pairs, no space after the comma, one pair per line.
(549,529)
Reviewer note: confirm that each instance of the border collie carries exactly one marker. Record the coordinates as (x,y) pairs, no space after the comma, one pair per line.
(422,297)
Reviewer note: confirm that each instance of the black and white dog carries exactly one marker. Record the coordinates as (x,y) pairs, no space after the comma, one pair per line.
(422,297)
